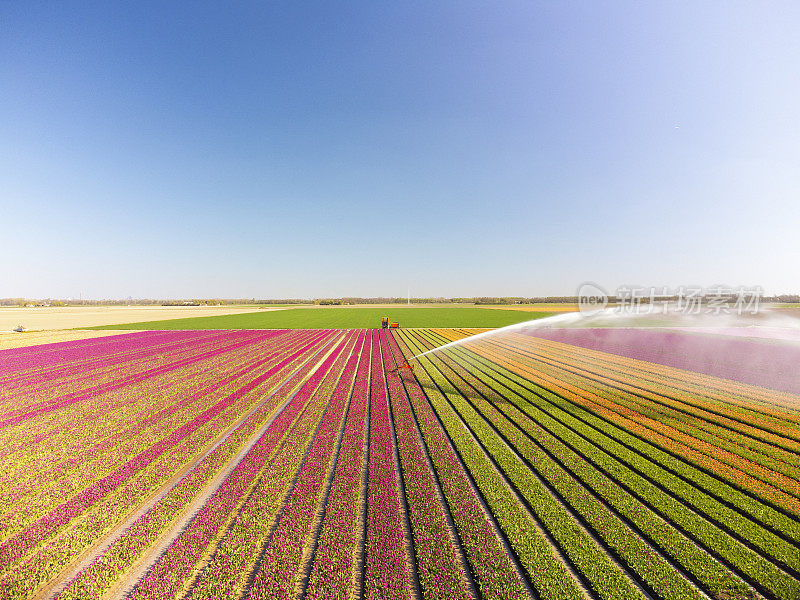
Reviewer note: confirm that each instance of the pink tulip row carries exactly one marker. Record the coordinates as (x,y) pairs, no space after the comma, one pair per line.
(129,442)
(19,361)
(25,396)
(387,574)
(332,569)
(170,572)
(57,426)
(235,556)
(494,572)
(30,398)
(90,472)
(120,383)
(19,544)
(167,349)
(42,564)
(107,568)
(439,563)
(146,417)
(282,558)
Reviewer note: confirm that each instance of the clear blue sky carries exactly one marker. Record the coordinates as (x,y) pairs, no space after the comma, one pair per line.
(294,149)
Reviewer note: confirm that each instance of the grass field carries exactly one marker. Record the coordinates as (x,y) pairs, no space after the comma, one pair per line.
(346,318)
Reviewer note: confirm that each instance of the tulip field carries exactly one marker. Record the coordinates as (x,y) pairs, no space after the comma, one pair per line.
(307,464)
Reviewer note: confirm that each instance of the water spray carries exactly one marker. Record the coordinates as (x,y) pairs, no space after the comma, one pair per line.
(616,317)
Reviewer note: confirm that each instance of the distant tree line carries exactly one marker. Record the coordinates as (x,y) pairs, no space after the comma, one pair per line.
(349,300)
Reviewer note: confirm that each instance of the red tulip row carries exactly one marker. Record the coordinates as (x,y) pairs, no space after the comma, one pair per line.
(439,562)
(332,569)
(493,570)
(170,573)
(282,558)
(387,574)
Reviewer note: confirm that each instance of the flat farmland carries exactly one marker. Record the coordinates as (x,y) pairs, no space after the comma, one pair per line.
(347,317)
(301,463)
(71,317)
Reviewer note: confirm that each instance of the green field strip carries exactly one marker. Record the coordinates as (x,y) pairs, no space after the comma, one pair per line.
(707,573)
(491,560)
(601,572)
(655,573)
(343,318)
(785,476)
(720,396)
(546,572)
(664,492)
(662,402)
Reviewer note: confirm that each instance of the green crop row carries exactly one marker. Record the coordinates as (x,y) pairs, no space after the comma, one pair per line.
(626,544)
(727,494)
(599,569)
(493,569)
(548,574)
(569,423)
(710,574)
(779,462)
